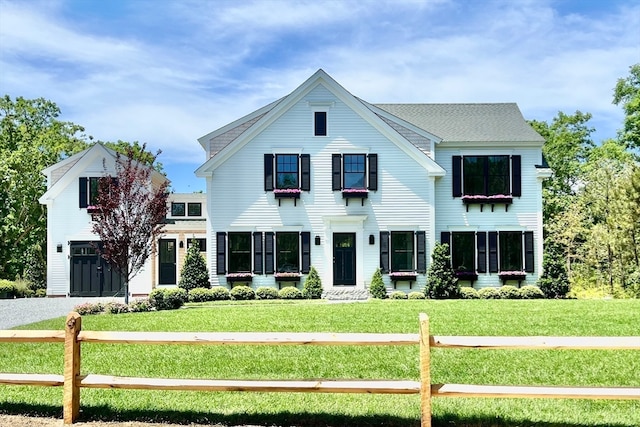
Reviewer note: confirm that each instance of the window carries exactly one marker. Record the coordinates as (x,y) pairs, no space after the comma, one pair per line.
(292,172)
(88,191)
(486,176)
(287,252)
(320,123)
(202,244)
(286,171)
(177,209)
(402,251)
(239,252)
(355,172)
(463,251)
(510,244)
(194,209)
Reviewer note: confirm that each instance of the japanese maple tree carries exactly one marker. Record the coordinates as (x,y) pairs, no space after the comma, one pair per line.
(130,212)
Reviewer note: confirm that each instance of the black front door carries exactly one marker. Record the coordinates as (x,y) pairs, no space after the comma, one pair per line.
(344,259)
(91,276)
(167,264)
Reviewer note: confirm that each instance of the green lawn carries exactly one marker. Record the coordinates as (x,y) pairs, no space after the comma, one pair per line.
(460,317)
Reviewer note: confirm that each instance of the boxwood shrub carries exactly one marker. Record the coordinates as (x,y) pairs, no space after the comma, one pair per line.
(509,292)
(290,292)
(168,298)
(398,295)
(489,293)
(114,307)
(416,295)
(200,295)
(467,292)
(266,292)
(530,292)
(220,293)
(139,305)
(242,293)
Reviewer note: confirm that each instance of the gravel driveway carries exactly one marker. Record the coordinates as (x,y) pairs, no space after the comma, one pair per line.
(22,311)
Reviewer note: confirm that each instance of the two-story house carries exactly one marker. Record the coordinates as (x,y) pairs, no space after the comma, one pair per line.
(73,266)
(322,178)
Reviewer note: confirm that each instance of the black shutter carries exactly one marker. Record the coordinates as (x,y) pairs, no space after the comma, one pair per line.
(493,252)
(373,172)
(305,238)
(268,252)
(336,172)
(82,190)
(221,250)
(456,170)
(528,251)
(305,172)
(384,251)
(257,252)
(516,176)
(268,172)
(482,251)
(421,246)
(445,237)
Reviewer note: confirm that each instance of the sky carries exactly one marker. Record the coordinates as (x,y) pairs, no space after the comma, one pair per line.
(167,72)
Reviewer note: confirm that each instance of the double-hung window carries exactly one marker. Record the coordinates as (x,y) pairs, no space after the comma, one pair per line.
(320,123)
(88,191)
(403,251)
(463,251)
(287,173)
(510,244)
(354,172)
(287,252)
(486,176)
(239,252)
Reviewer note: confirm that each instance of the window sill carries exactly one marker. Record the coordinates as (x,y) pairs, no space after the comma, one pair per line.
(355,194)
(488,200)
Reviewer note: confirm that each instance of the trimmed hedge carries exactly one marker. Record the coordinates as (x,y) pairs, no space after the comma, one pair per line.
(467,292)
(398,295)
(265,292)
(290,292)
(416,295)
(489,293)
(242,293)
(509,292)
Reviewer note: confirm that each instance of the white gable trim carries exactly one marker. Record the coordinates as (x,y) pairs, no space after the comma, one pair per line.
(319,78)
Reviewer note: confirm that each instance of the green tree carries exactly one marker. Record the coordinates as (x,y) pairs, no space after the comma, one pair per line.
(31,139)
(442,282)
(312,288)
(194,272)
(627,93)
(377,289)
(554,282)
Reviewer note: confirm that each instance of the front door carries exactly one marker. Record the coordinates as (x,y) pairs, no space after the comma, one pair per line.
(167,256)
(344,259)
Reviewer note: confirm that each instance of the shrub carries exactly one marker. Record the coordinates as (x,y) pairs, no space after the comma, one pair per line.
(200,295)
(41,293)
(398,295)
(114,307)
(20,288)
(194,272)
(88,308)
(509,292)
(442,282)
(265,292)
(220,293)
(554,282)
(377,289)
(416,295)
(530,292)
(467,292)
(242,293)
(6,289)
(35,271)
(489,293)
(167,298)
(29,293)
(139,305)
(290,292)
(312,287)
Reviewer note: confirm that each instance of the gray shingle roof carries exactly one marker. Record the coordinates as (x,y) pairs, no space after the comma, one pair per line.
(467,122)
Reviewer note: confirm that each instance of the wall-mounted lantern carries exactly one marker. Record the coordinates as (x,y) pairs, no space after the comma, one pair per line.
(317,240)
(372,239)
(59,248)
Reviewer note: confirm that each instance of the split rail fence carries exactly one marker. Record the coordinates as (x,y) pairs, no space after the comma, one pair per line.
(72,380)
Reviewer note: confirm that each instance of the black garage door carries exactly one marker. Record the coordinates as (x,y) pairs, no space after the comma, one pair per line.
(91,276)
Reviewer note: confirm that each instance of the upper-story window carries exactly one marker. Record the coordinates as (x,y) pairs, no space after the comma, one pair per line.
(292,172)
(88,191)
(486,176)
(177,208)
(355,172)
(194,209)
(320,123)
(286,171)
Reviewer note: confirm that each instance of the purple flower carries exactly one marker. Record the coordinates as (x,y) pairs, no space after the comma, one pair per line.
(286,191)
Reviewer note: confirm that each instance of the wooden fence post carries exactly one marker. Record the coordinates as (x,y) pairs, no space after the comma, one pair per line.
(71,399)
(425,371)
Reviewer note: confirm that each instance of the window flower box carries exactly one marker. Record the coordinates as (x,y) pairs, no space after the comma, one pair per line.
(239,277)
(403,276)
(355,193)
(512,275)
(287,277)
(287,193)
(489,200)
(467,275)
(93,209)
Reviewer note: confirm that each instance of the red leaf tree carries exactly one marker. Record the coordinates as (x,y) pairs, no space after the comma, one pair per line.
(130,212)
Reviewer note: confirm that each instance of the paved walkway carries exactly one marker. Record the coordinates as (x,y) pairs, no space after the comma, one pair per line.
(22,311)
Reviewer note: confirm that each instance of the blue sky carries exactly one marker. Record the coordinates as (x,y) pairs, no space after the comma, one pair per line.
(168,72)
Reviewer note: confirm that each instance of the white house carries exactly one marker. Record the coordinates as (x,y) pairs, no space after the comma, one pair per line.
(322,178)
(73,267)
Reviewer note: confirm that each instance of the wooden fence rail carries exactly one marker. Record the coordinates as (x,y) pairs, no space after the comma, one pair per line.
(72,380)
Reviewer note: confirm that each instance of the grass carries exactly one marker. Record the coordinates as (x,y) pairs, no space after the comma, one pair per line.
(461,317)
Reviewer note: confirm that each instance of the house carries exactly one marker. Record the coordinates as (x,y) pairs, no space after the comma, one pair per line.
(322,178)
(73,266)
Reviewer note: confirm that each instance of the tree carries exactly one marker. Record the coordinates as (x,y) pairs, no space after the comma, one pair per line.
(627,93)
(194,272)
(554,282)
(312,288)
(131,209)
(377,289)
(31,139)
(442,282)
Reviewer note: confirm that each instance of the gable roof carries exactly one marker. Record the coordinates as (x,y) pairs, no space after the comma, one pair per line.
(241,131)
(61,174)
(468,122)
